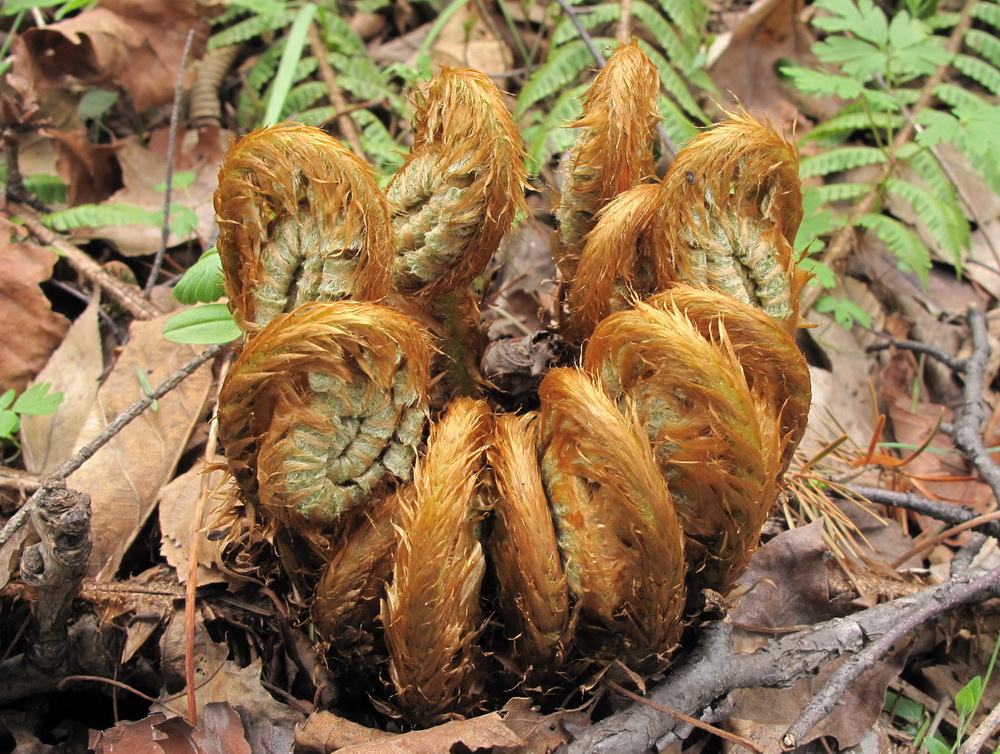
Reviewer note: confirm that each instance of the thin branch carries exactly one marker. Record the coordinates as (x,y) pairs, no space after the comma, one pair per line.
(175,110)
(947,512)
(967,429)
(57,477)
(127,296)
(712,669)
(981,735)
(934,352)
(928,604)
(347,127)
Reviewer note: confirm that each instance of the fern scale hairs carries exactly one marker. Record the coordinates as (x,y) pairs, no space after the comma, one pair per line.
(300,219)
(325,405)
(732,206)
(533,594)
(431,609)
(619,535)
(712,441)
(461,186)
(613,152)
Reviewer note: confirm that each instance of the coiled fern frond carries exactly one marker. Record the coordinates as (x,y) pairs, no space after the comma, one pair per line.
(617,529)
(731,208)
(720,460)
(323,406)
(301,219)
(625,257)
(533,593)
(461,186)
(613,152)
(431,610)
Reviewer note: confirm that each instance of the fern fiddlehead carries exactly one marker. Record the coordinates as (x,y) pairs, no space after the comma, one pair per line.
(301,219)
(613,151)
(617,529)
(463,182)
(431,609)
(324,405)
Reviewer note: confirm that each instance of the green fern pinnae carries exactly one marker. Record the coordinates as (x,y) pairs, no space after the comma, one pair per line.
(679,51)
(100,215)
(839,160)
(550,137)
(988,13)
(985,44)
(358,75)
(980,71)
(559,71)
(838,192)
(338,34)
(302,97)
(265,67)
(589,18)
(385,152)
(849,121)
(673,83)
(678,126)
(942,21)
(958,98)
(944,219)
(252,27)
(902,242)
(926,165)
(689,15)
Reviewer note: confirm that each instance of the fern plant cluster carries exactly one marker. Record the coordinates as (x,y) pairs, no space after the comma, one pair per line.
(912,83)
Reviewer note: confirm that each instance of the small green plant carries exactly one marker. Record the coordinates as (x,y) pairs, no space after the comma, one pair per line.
(283,84)
(35,401)
(899,109)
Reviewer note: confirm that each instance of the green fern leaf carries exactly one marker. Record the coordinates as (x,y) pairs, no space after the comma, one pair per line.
(303,97)
(988,13)
(559,71)
(673,83)
(338,34)
(588,17)
(985,44)
(252,27)
(980,71)
(678,126)
(821,82)
(847,122)
(907,247)
(944,219)
(942,21)
(958,98)
(839,160)
(202,283)
(100,215)
(838,192)
(265,67)
(550,136)
(385,152)
(689,15)
(360,76)
(677,49)
(926,165)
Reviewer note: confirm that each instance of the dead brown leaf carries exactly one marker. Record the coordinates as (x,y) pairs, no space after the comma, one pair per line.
(31,330)
(125,476)
(742,60)
(178,503)
(144,168)
(516,729)
(123,44)
(91,171)
(73,369)
(762,715)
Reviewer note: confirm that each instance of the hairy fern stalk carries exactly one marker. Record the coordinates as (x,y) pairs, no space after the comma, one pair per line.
(586,528)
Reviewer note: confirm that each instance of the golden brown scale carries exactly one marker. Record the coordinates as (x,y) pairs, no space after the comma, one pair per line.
(613,152)
(619,535)
(523,546)
(461,186)
(431,609)
(732,204)
(301,219)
